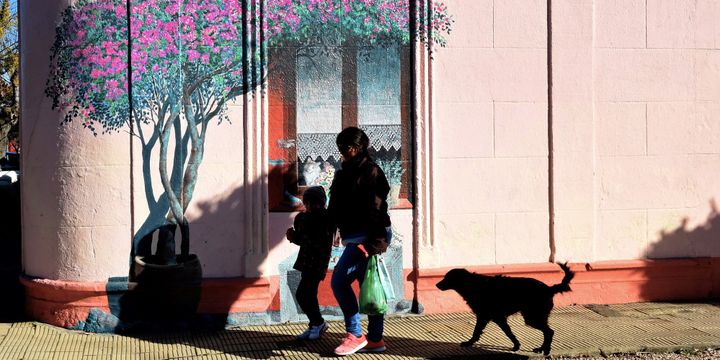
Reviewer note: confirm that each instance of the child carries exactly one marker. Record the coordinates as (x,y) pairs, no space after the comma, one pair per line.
(314,232)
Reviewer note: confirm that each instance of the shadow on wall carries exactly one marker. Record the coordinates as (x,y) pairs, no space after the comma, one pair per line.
(689,272)
(175,298)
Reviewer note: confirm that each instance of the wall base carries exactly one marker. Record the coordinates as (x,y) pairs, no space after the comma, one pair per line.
(606,282)
(92,306)
(72,304)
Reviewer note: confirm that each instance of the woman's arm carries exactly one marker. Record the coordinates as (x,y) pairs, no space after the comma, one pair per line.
(379,219)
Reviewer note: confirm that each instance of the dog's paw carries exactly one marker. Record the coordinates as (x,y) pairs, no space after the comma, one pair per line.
(542,350)
(467,343)
(516,347)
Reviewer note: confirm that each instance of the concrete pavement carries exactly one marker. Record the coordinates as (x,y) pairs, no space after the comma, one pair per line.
(579,330)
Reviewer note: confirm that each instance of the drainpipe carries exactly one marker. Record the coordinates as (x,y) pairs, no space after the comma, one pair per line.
(551,162)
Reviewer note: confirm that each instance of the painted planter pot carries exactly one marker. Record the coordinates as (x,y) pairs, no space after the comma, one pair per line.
(167,292)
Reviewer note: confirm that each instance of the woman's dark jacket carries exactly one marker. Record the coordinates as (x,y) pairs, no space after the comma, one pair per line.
(314,232)
(358,202)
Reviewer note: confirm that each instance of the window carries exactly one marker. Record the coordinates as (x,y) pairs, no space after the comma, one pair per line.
(315,92)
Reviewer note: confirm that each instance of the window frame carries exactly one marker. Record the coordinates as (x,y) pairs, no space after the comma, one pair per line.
(282,114)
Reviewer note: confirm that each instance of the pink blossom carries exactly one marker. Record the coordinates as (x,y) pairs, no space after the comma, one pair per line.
(193,55)
(207,33)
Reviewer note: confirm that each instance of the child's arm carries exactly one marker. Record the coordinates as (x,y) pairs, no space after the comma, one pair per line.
(299,232)
(290,235)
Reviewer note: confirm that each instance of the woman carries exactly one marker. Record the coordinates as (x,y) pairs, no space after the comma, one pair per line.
(358,205)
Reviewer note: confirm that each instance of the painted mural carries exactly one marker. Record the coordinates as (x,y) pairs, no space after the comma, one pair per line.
(164,71)
(354,70)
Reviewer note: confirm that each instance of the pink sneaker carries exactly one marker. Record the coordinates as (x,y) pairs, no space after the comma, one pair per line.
(374,347)
(351,344)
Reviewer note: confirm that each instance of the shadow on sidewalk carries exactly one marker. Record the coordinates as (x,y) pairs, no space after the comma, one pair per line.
(263,345)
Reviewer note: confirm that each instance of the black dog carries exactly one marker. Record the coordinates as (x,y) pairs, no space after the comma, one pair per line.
(494,298)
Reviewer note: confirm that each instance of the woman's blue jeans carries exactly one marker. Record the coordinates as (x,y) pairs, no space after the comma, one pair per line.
(351,267)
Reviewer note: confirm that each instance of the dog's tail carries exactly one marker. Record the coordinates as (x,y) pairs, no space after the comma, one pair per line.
(565,284)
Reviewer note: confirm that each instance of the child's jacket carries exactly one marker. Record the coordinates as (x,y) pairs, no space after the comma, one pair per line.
(314,232)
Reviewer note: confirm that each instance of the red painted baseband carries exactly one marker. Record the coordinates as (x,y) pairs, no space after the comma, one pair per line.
(64,303)
(606,282)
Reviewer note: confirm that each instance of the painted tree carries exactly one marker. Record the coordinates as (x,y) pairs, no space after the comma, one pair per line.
(188,59)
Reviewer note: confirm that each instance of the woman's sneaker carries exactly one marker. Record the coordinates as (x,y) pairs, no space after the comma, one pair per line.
(374,346)
(351,344)
(313,332)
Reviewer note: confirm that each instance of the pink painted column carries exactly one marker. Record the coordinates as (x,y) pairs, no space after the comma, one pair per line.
(76,187)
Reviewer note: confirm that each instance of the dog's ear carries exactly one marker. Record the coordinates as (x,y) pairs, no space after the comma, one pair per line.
(457,273)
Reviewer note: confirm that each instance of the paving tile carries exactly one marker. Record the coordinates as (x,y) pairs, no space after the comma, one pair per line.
(579,330)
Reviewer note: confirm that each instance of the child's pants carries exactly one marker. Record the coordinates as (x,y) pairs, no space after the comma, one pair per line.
(307,298)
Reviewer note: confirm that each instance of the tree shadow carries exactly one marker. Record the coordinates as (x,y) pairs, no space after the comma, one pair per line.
(688,269)
(152,301)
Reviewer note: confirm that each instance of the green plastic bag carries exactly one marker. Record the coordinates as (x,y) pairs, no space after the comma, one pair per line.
(385,279)
(372,294)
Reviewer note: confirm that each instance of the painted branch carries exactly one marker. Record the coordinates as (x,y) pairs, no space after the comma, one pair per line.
(196,153)
(175,206)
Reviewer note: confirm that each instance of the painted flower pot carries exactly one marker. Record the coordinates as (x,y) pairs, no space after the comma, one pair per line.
(167,291)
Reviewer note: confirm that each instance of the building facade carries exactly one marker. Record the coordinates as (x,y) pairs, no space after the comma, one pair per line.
(534,132)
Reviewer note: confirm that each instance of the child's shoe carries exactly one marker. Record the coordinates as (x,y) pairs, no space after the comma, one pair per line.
(351,344)
(374,346)
(313,332)
(305,335)
(317,331)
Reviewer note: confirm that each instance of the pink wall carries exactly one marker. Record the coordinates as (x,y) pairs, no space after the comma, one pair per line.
(657,101)
(490,94)
(635,131)
(635,148)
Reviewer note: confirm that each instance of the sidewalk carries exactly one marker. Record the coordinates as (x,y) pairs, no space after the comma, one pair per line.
(579,330)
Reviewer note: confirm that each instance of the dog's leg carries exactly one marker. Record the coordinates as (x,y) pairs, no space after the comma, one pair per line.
(479,327)
(547,337)
(538,318)
(547,341)
(502,323)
